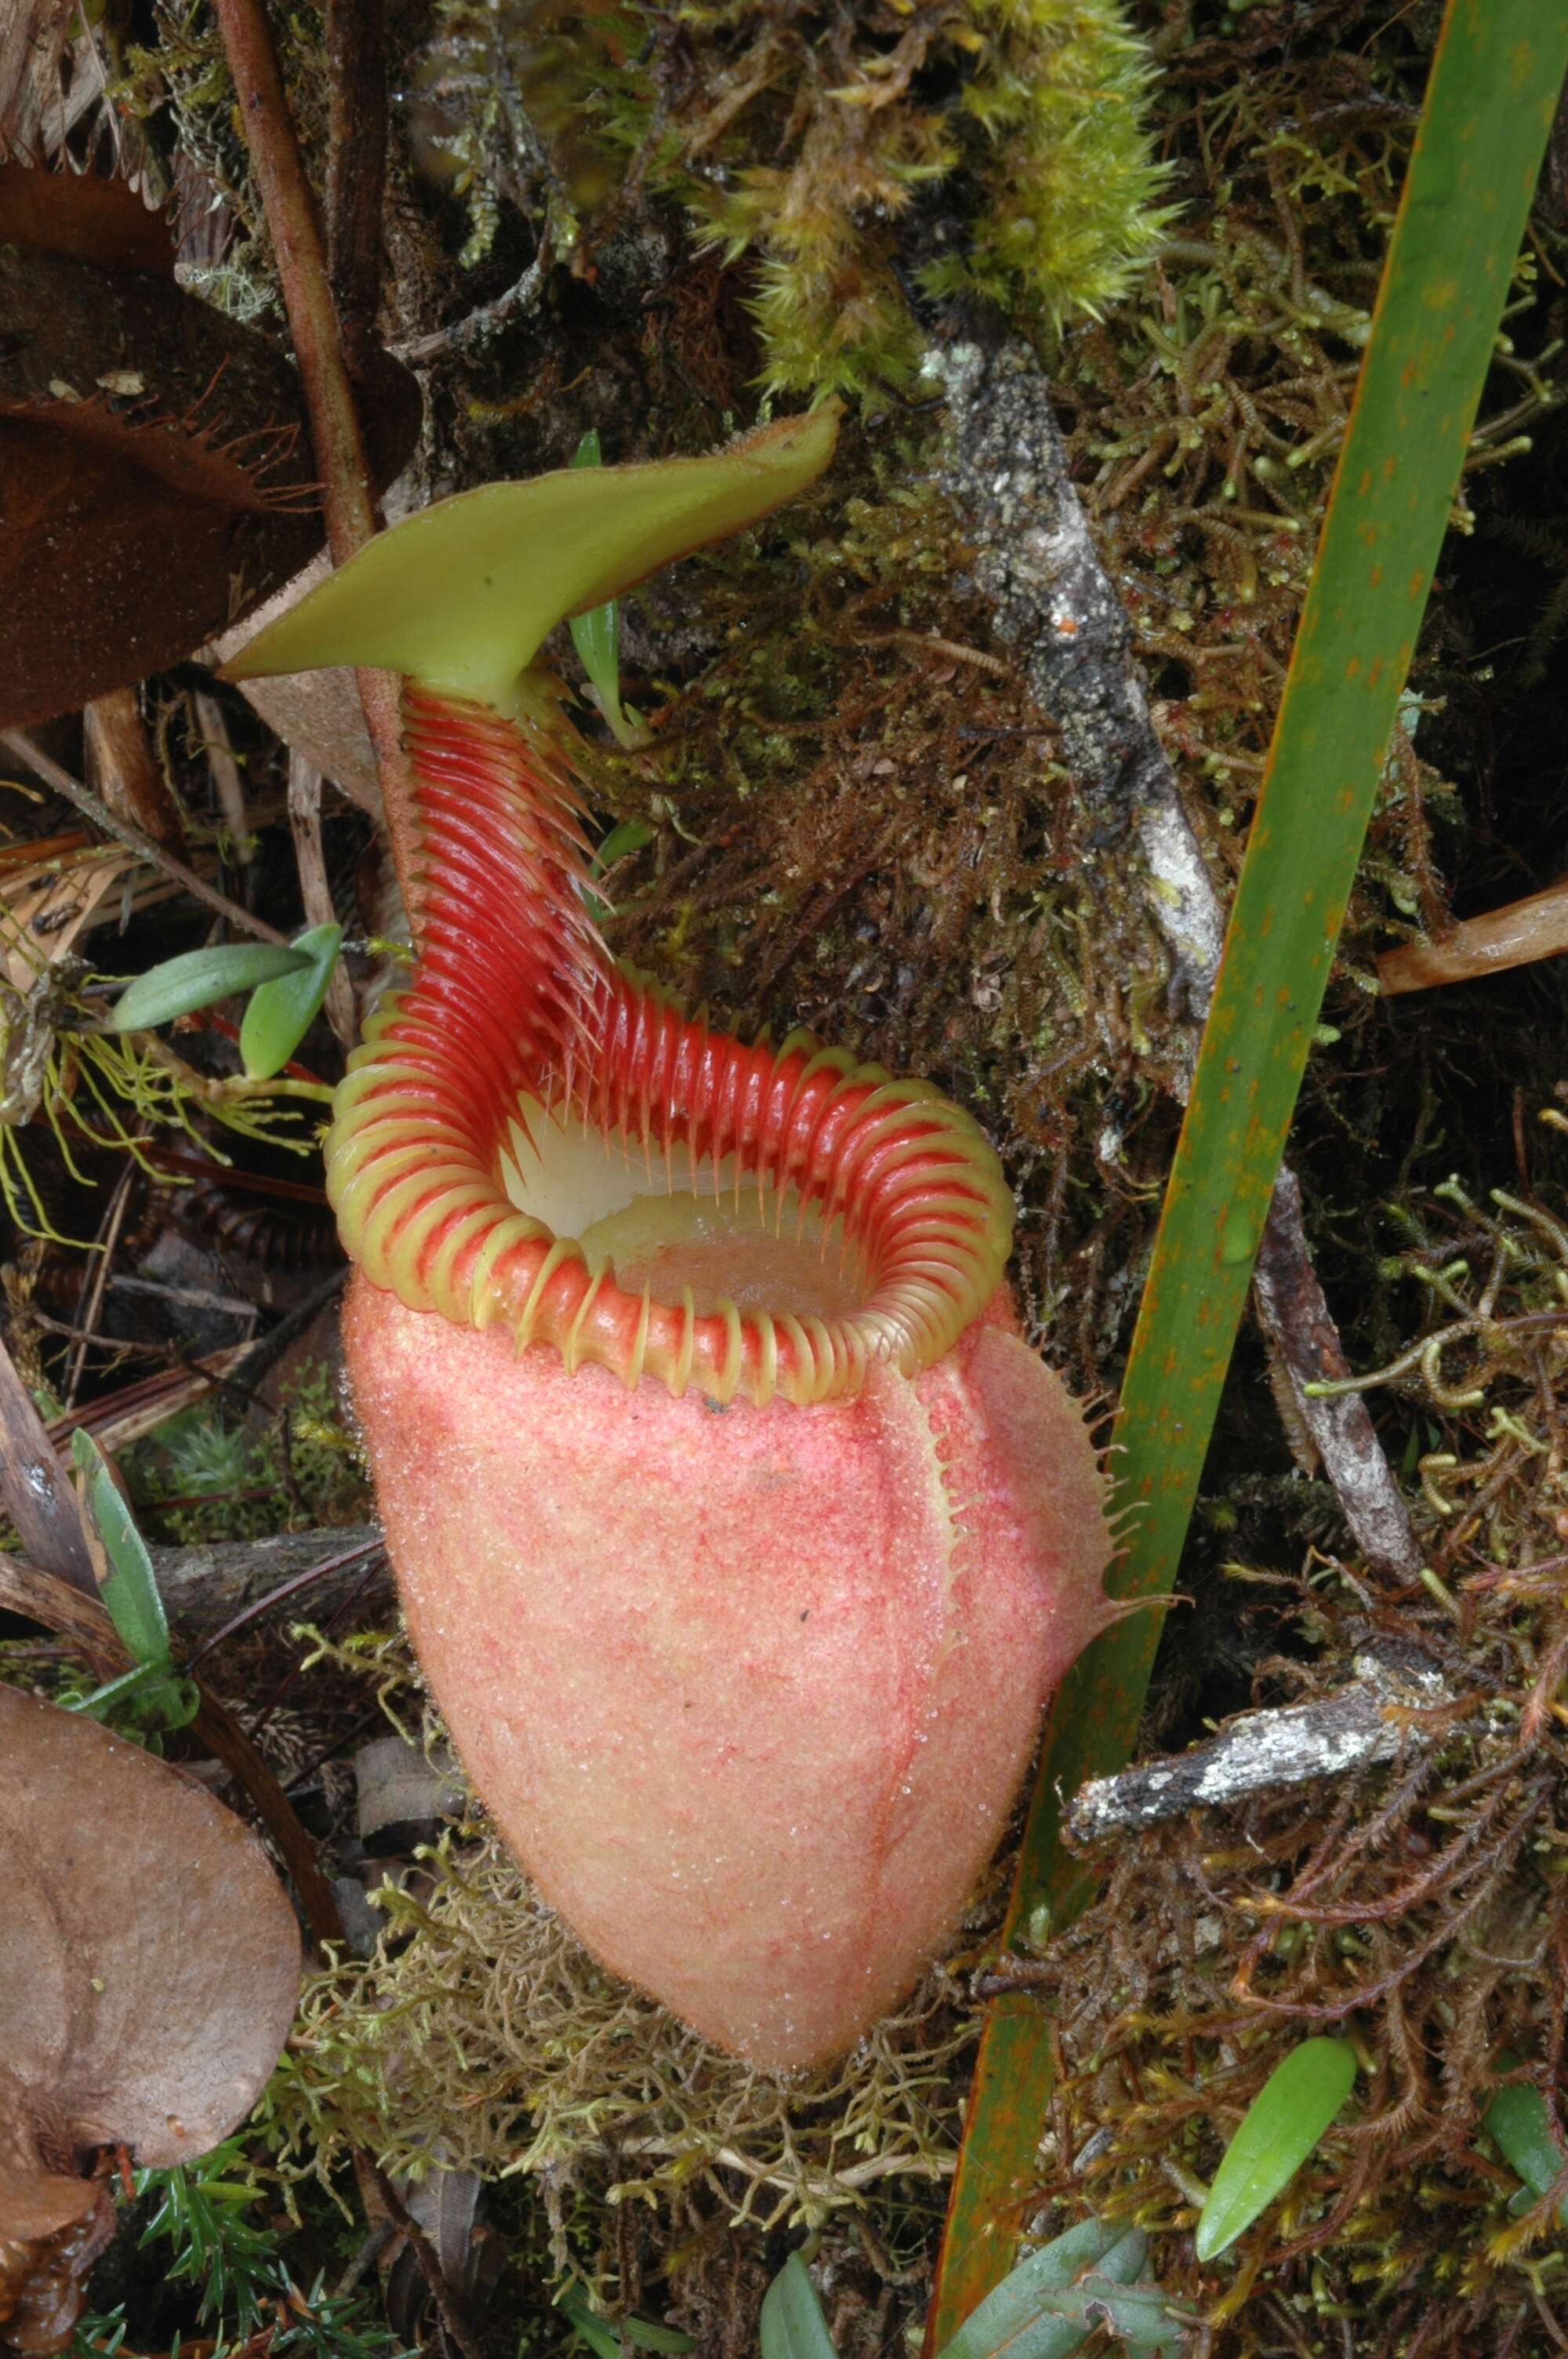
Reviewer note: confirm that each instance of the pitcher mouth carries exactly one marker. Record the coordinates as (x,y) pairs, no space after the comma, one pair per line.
(531,1138)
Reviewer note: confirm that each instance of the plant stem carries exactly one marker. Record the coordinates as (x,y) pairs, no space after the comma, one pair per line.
(346,491)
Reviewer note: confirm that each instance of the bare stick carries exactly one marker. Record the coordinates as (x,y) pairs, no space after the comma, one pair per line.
(109,1238)
(519,299)
(61,783)
(305,824)
(1293,1307)
(1258,1750)
(312,321)
(223,769)
(122,768)
(1037,560)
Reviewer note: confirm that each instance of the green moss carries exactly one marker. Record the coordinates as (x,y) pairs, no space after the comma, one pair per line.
(995,149)
(481,2037)
(205,1478)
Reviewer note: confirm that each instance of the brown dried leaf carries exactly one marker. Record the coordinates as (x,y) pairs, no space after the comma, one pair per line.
(155,472)
(148,1955)
(317,715)
(32,37)
(52,2228)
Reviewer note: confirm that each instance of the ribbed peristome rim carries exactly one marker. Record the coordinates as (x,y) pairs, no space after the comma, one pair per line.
(514,1001)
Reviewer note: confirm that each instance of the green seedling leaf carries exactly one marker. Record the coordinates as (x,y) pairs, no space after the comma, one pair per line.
(464,594)
(1518,2124)
(648,2335)
(596,635)
(597,2333)
(155,1692)
(146,1694)
(130,1593)
(1035,2312)
(630,836)
(281,1012)
(1278,2131)
(792,2324)
(199,977)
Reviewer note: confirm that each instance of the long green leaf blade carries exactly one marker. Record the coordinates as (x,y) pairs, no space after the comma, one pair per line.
(1276,2134)
(793,2326)
(282,1012)
(1491,101)
(197,978)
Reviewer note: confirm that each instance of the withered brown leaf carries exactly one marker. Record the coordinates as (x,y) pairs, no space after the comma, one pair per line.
(155,472)
(149,1963)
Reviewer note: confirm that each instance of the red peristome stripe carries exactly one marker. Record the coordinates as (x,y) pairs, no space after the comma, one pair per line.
(514,995)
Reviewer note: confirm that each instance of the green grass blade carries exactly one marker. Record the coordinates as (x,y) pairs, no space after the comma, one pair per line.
(1275,2136)
(1490,100)
(596,635)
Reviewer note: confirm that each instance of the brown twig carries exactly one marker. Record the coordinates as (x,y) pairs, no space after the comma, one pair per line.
(334,424)
(304,825)
(60,782)
(108,1238)
(258,1606)
(1536,928)
(1292,1305)
(122,768)
(223,769)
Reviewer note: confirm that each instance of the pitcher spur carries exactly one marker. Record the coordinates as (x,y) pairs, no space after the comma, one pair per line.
(741,1537)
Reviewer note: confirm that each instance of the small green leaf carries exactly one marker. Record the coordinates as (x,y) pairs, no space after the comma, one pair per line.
(154,1692)
(630,836)
(130,1593)
(596,635)
(1037,2312)
(792,2324)
(282,1012)
(150,1695)
(649,2336)
(197,978)
(1518,2122)
(597,2333)
(1278,2131)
